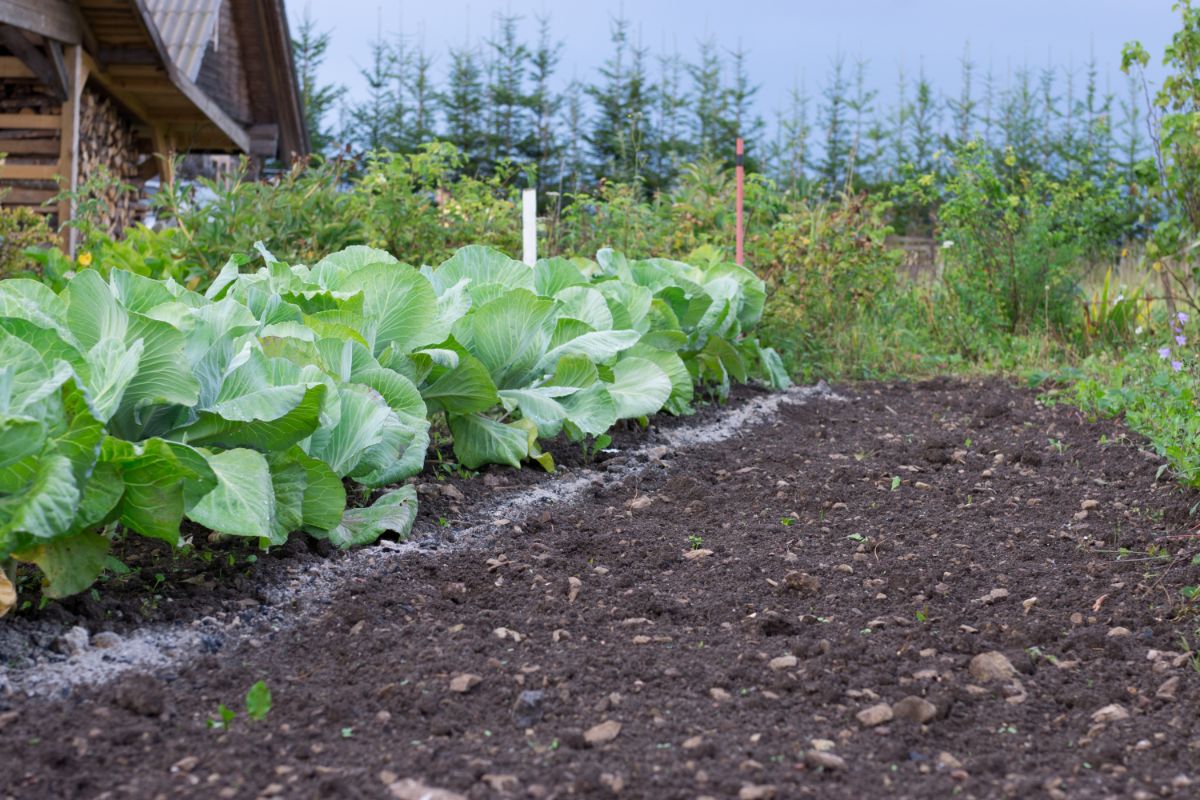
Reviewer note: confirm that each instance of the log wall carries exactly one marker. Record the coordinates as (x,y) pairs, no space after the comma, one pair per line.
(30,136)
(107,141)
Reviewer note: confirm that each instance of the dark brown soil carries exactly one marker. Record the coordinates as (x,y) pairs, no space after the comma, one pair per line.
(215,575)
(830,588)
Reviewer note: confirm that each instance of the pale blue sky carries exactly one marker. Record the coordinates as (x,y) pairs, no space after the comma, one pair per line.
(785,40)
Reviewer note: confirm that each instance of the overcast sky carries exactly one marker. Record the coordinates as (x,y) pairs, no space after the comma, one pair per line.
(786,40)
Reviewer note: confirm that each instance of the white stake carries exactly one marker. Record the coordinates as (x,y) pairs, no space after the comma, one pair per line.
(529,225)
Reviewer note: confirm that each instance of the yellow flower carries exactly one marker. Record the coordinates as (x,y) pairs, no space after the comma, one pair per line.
(85,259)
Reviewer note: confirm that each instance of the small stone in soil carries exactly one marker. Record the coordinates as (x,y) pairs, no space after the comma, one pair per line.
(818,758)
(603,733)
(1110,713)
(409,789)
(915,709)
(991,666)
(504,784)
(464,682)
(802,582)
(875,715)
(105,640)
(73,641)
(995,595)
(452,492)
(782,663)
(528,708)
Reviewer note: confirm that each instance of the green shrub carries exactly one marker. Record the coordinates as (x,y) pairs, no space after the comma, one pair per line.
(22,228)
(1015,243)
(833,304)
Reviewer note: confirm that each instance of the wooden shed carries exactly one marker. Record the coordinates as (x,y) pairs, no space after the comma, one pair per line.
(86,84)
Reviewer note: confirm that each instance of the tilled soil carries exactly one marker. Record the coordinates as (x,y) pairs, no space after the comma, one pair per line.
(932,590)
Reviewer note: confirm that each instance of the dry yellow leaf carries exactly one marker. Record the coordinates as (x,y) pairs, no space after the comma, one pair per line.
(8,594)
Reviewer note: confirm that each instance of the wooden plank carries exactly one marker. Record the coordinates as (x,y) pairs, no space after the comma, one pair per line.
(50,18)
(28,172)
(24,196)
(31,121)
(68,160)
(44,146)
(32,56)
(11,67)
(130,56)
(164,152)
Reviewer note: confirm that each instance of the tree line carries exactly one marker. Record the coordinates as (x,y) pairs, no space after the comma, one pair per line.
(644,116)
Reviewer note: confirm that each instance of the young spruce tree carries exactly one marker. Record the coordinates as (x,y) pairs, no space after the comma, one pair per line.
(308,51)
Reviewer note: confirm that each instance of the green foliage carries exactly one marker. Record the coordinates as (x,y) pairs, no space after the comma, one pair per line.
(1015,240)
(1156,389)
(1113,317)
(258,701)
(1171,179)
(22,229)
(832,278)
(309,51)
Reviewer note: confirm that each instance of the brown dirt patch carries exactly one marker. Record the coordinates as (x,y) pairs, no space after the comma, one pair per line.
(671,675)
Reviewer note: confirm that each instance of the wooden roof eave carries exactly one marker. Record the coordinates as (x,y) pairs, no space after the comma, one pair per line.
(238,136)
(63,21)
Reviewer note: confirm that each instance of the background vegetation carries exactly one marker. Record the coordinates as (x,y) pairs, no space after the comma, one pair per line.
(1065,217)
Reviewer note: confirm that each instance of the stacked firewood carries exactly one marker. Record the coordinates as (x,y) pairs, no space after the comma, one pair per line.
(109,159)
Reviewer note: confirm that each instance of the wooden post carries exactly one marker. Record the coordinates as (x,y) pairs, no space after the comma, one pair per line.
(529,225)
(68,154)
(739,250)
(164,150)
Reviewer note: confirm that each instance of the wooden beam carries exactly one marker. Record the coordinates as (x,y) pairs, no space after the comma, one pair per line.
(24,196)
(68,160)
(28,172)
(164,152)
(143,56)
(44,146)
(34,121)
(90,45)
(32,56)
(13,67)
(54,50)
(148,169)
(53,19)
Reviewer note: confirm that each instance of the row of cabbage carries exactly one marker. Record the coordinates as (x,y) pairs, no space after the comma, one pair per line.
(136,405)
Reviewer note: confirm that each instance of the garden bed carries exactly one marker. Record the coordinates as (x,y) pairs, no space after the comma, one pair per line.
(798,610)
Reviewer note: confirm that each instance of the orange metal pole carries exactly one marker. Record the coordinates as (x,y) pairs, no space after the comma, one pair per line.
(740,255)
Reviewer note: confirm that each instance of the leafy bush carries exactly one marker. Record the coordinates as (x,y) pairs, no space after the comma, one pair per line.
(21,229)
(831,275)
(132,404)
(1169,181)
(1015,241)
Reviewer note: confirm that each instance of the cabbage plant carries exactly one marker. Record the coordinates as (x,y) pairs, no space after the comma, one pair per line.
(132,405)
